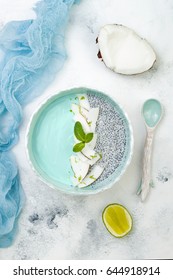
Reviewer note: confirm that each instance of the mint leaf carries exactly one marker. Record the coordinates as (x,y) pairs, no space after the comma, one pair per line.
(89,137)
(79,132)
(78,147)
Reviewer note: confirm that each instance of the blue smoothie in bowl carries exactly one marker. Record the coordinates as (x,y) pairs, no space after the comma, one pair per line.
(50,141)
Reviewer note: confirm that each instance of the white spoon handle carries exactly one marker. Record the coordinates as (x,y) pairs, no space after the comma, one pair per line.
(145,186)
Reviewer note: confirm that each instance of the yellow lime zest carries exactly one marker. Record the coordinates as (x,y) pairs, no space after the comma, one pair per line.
(80,110)
(82,98)
(83,183)
(92,177)
(79,178)
(93,156)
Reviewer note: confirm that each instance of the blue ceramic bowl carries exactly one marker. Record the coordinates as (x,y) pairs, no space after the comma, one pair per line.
(50,140)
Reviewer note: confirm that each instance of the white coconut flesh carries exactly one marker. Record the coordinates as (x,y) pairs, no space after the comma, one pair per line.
(92,118)
(77,109)
(79,168)
(81,162)
(91,177)
(79,118)
(91,161)
(92,144)
(79,115)
(94,159)
(88,153)
(87,118)
(124,51)
(83,101)
(82,157)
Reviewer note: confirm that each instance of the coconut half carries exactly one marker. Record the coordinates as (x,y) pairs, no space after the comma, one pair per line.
(124,51)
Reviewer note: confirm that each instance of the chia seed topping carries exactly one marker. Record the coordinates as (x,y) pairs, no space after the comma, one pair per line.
(111,135)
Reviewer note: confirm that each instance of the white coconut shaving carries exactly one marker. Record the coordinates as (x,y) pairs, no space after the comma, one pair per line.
(82,161)
(124,51)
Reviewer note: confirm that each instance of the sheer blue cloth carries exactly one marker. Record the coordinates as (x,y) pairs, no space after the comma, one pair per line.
(11,198)
(31,52)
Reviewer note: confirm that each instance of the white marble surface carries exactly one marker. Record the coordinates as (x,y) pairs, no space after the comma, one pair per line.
(57,226)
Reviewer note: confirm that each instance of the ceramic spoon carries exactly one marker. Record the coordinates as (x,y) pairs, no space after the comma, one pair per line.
(152,112)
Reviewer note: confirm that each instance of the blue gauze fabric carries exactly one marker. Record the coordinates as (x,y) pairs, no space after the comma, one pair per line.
(31,52)
(11,198)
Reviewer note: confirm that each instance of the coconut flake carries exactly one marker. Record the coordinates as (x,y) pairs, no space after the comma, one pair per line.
(87,157)
(80,118)
(88,153)
(77,109)
(91,177)
(91,156)
(79,168)
(92,118)
(83,101)
(96,157)
(92,144)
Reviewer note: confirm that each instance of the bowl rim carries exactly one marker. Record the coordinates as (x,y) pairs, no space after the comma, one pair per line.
(94,191)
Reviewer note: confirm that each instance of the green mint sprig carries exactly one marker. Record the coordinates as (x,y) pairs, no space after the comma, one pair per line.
(82,137)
